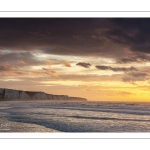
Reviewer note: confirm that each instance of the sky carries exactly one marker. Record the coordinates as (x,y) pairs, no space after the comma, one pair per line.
(105,59)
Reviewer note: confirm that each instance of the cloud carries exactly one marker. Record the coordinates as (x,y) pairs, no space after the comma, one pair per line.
(63,36)
(132,33)
(6,67)
(76,36)
(135,76)
(116,68)
(91,37)
(66,64)
(12,70)
(19,58)
(49,71)
(21,62)
(83,64)
(138,57)
(124,93)
(110,92)
(48,63)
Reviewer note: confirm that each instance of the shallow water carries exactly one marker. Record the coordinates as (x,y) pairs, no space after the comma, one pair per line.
(60,116)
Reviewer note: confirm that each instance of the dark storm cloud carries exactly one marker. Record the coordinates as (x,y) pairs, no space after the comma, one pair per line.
(133,33)
(83,64)
(76,36)
(135,76)
(116,68)
(50,35)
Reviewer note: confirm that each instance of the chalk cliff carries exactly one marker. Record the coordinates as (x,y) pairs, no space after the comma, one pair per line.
(10,94)
(1,93)
(49,96)
(24,95)
(37,95)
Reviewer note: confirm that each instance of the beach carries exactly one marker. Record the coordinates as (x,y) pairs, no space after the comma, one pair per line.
(73,116)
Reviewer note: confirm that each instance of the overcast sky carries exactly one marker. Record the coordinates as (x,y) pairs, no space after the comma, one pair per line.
(96,58)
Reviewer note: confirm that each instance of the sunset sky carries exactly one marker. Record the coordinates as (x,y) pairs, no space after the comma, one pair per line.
(105,59)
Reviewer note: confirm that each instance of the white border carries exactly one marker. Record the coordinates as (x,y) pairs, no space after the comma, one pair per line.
(74,5)
(72,14)
(66,135)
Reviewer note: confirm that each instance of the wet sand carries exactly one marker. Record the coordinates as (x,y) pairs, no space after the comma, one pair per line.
(69,116)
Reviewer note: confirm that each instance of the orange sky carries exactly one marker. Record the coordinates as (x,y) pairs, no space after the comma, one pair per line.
(75,80)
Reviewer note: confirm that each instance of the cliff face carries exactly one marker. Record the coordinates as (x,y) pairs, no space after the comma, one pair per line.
(1,93)
(49,96)
(37,95)
(24,95)
(9,94)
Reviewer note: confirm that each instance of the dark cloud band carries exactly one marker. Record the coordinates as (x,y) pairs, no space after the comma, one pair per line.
(76,36)
(116,69)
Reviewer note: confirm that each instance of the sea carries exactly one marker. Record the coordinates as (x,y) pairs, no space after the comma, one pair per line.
(69,116)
